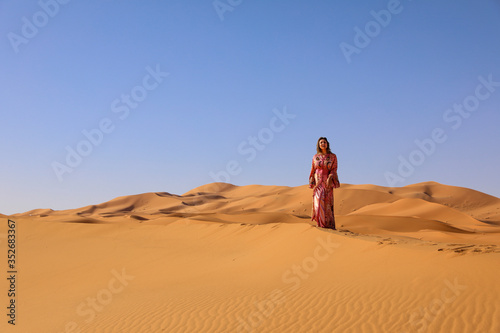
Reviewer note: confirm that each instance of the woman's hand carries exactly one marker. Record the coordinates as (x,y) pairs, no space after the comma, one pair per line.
(311,182)
(329,181)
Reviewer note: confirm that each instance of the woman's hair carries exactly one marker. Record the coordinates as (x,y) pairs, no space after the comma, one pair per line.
(318,150)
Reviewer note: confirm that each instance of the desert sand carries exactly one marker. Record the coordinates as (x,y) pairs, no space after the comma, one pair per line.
(225,258)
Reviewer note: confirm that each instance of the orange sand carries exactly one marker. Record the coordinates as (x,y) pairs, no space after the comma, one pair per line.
(224,258)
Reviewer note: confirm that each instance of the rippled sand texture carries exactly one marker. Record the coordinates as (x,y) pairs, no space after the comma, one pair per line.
(223,258)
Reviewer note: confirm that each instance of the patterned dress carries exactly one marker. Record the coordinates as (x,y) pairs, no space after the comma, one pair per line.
(322,166)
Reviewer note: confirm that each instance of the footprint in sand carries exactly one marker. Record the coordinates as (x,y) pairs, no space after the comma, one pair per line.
(474,249)
(387,241)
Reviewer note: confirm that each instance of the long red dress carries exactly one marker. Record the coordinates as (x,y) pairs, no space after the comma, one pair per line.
(322,166)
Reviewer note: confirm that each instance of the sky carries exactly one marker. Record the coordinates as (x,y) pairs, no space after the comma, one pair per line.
(102,99)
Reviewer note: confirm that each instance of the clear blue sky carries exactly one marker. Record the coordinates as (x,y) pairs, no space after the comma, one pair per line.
(182,89)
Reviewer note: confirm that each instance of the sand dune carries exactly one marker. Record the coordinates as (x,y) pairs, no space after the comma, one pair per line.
(225,258)
(368,209)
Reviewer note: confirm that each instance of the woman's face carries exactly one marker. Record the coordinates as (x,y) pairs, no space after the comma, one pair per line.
(323,144)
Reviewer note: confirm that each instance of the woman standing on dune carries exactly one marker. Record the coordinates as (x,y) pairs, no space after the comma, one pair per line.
(323,179)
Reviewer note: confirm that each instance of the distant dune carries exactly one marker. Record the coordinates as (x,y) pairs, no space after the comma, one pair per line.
(226,258)
(430,210)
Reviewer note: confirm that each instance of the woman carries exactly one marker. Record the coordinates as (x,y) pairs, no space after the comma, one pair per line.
(323,179)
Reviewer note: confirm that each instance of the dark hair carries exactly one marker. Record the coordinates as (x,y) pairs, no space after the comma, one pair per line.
(318,150)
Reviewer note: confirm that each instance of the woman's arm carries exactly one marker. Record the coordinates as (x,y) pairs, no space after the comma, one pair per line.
(333,178)
(334,174)
(312,181)
(334,166)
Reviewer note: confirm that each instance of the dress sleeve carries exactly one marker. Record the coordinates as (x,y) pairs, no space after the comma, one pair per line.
(311,175)
(334,166)
(333,172)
